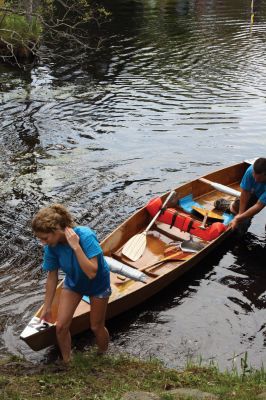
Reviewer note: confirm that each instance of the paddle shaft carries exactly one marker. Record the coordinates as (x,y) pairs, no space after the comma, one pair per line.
(159,212)
(221,188)
(135,246)
(147,269)
(173,257)
(202,226)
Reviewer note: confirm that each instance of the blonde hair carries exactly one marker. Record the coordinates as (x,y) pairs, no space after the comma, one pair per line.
(48,219)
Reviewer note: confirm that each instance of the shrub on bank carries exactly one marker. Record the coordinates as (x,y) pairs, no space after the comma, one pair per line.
(19,38)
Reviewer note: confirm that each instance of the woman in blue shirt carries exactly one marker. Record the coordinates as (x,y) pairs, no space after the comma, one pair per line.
(76,251)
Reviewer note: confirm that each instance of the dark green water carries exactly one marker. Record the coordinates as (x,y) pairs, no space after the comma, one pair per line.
(177,89)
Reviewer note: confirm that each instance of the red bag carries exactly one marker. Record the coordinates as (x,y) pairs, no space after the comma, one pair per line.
(184,222)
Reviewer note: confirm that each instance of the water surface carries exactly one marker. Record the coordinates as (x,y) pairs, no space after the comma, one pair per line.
(176,90)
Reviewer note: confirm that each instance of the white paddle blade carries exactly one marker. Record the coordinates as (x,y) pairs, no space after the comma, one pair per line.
(135,247)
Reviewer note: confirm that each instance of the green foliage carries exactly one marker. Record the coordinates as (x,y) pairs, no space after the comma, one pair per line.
(16,28)
(244,366)
(73,14)
(21,29)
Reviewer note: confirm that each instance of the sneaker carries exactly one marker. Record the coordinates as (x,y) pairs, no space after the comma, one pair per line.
(222,205)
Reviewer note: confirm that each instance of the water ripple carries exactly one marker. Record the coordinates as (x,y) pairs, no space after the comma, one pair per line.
(176,90)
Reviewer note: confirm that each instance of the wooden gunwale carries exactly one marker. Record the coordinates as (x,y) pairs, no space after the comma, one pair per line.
(131,294)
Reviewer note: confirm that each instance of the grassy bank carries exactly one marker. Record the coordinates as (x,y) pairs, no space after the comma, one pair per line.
(109,377)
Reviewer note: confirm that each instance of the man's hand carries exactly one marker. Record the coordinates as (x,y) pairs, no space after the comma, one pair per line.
(235,222)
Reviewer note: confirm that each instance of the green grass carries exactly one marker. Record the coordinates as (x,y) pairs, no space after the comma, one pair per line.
(15,29)
(108,377)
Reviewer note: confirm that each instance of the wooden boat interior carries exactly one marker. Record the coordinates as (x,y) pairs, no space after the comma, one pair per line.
(202,193)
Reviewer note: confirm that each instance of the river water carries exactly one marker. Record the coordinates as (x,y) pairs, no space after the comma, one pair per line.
(176,90)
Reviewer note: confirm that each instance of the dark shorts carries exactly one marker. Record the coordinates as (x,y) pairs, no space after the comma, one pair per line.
(102,295)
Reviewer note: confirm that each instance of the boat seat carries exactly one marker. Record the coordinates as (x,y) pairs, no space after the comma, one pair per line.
(187,203)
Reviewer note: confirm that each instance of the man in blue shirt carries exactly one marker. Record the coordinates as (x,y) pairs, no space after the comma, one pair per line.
(253,193)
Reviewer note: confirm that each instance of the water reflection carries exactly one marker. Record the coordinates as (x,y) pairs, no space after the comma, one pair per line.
(177,89)
(214,312)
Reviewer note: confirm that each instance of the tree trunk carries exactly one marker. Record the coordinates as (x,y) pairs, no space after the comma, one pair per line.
(28,4)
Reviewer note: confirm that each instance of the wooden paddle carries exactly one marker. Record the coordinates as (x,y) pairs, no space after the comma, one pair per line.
(178,256)
(211,214)
(204,222)
(135,246)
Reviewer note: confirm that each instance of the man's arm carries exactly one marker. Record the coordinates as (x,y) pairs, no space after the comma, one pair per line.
(244,199)
(247,214)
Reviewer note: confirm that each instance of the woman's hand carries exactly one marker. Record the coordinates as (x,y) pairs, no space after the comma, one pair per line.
(88,266)
(46,315)
(51,283)
(72,238)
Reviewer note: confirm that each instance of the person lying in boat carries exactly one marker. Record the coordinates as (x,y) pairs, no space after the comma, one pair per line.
(253,195)
(76,251)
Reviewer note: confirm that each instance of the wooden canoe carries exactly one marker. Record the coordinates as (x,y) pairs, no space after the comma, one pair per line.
(127,293)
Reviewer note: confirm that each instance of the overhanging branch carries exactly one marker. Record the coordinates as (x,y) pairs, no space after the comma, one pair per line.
(53,21)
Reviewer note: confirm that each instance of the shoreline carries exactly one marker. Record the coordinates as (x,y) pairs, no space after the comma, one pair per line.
(113,377)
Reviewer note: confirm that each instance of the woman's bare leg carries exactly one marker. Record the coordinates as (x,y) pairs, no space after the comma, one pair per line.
(68,303)
(97,321)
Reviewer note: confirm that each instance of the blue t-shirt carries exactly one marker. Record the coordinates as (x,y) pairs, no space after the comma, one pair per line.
(248,183)
(63,257)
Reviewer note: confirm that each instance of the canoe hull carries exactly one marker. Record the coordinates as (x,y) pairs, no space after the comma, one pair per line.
(127,295)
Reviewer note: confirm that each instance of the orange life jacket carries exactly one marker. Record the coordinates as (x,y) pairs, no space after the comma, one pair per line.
(184,222)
